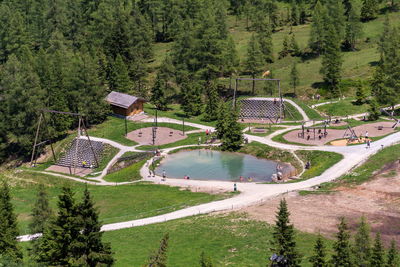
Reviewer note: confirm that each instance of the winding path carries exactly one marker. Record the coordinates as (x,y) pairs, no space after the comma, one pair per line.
(250,193)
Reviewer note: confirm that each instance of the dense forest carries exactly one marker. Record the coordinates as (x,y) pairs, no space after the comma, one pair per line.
(67,55)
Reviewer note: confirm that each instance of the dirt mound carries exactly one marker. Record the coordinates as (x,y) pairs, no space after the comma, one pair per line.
(378,200)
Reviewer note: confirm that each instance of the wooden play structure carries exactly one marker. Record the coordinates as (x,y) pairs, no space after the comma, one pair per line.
(311,132)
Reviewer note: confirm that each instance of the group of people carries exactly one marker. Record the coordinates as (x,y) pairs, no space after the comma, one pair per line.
(249,179)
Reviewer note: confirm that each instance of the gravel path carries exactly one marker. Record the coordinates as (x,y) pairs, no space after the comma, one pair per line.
(250,193)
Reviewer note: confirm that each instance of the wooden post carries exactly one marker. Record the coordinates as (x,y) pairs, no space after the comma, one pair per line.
(126,127)
(281,99)
(90,144)
(183,126)
(234,93)
(36,138)
(51,144)
(76,146)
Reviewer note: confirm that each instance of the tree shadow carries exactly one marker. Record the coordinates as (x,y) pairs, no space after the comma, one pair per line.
(373,63)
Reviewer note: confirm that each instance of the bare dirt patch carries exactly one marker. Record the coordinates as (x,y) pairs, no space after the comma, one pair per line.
(164,135)
(78,171)
(378,200)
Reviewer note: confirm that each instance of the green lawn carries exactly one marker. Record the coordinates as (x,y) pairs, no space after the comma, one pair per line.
(364,172)
(230,240)
(343,108)
(130,173)
(320,161)
(115,203)
(263,151)
(108,153)
(114,129)
(175,112)
(192,139)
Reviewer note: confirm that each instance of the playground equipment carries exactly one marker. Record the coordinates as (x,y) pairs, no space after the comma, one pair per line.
(350,134)
(81,152)
(397,121)
(312,131)
(261,108)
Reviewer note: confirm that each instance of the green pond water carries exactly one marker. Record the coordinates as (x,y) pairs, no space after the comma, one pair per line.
(204,164)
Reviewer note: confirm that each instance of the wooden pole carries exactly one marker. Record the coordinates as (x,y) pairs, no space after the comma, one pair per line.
(36,138)
(90,144)
(51,143)
(126,127)
(183,126)
(76,146)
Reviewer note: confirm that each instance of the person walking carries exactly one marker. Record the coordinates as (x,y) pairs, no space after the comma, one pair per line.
(164,175)
(368,143)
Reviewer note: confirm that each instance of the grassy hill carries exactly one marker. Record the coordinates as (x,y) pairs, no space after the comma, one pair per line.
(357,64)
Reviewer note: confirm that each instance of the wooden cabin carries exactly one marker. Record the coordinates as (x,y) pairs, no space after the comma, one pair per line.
(124,104)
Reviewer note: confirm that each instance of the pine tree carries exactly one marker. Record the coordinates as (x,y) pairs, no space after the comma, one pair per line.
(319,257)
(59,244)
(212,102)
(119,80)
(318,31)
(353,29)
(254,61)
(377,252)
(232,139)
(294,77)
(191,98)
(205,261)
(264,38)
(362,244)
(336,17)
(285,48)
(283,242)
(159,258)
(374,111)
(332,62)
(222,122)
(93,252)
(158,97)
(361,93)
(41,215)
(392,256)
(9,249)
(294,12)
(369,10)
(294,47)
(230,57)
(342,248)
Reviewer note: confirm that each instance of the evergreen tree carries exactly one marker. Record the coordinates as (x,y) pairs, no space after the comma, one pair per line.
(392,256)
(374,111)
(361,93)
(212,102)
(41,215)
(93,252)
(294,77)
(9,249)
(318,31)
(230,57)
(254,61)
(222,122)
(205,261)
(336,18)
(377,254)
(319,257)
(232,139)
(285,48)
(158,97)
(362,244)
(264,38)
(284,243)
(342,248)
(119,80)
(60,244)
(332,62)
(294,12)
(191,98)
(294,47)
(369,10)
(353,29)
(159,258)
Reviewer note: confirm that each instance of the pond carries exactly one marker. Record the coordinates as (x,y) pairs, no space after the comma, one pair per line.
(204,164)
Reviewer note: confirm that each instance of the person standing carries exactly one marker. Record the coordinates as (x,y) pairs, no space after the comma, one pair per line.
(164,175)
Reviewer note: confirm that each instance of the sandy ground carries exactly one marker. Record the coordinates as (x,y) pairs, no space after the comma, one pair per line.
(164,136)
(78,171)
(378,200)
(371,128)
